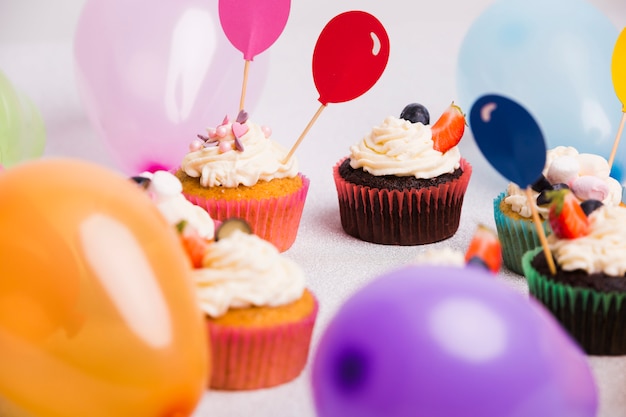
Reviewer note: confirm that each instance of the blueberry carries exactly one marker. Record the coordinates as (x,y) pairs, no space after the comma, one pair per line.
(589,206)
(414,113)
(143,182)
(542,198)
(475,261)
(541,184)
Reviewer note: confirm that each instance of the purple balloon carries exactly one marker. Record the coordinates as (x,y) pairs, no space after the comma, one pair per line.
(154,74)
(444,341)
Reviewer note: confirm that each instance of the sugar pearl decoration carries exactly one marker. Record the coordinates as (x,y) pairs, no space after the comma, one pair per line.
(196,145)
(221,131)
(267,131)
(224,147)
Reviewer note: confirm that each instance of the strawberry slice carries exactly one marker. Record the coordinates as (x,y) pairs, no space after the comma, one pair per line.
(449,128)
(486,248)
(566,217)
(195,245)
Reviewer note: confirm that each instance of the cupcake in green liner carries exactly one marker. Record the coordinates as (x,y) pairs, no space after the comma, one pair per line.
(517,234)
(587,293)
(587,175)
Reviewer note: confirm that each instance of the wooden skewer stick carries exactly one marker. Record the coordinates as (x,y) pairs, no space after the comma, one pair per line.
(542,236)
(306,130)
(616,141)
(242,100)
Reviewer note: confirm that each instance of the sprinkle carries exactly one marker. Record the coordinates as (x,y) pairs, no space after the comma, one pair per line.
(226,120)
(267,131)
(238,145)
(239,130)
(242,117)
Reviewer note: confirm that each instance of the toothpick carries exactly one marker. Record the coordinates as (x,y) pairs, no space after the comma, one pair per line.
(542,236)
(616,141)
(306,130)
(242,100)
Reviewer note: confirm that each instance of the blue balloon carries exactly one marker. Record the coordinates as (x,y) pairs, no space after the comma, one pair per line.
(509,138)
(555,58)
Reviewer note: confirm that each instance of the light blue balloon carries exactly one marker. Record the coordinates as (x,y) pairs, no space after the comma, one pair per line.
(554,58)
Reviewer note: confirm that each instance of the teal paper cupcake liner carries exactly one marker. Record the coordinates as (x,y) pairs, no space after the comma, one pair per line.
(595,319)
(516,236)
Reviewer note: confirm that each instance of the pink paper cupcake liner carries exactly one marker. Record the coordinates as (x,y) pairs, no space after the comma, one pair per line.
(260,357)
(408,217)
(275,219)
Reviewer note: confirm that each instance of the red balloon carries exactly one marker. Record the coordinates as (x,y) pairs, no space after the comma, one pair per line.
(350,55)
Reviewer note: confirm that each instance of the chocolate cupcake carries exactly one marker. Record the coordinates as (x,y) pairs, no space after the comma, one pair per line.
(587,295)
(404,183)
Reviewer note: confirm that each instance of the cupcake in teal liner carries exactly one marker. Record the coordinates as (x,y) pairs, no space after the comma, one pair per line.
(587,175)
(587,293)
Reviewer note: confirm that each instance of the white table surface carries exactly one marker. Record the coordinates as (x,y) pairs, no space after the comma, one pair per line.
(336,265)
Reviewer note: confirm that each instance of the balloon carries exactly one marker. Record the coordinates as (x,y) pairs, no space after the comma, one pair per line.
(98,314)
(557,64)
(252,26)
(445,341)
(618,68)
(152,75)
(350,55)
(22,131)
(509,138)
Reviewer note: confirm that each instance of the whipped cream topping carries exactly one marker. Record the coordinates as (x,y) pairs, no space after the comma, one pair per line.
(399,147)
(166,192)
(238,154)
(441,257)
(586,174)
(243,270)
(602,250)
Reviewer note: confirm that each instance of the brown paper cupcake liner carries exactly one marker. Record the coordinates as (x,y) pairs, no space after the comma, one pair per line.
(408,217)
(595,319)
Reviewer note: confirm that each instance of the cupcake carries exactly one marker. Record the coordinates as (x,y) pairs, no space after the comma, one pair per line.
(238,171)
(587,295)
(587,175)
(404,183)
(259,315)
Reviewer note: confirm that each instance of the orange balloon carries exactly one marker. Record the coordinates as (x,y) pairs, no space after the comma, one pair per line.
(98,312)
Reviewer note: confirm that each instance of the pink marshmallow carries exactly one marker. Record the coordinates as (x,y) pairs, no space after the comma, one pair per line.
(589,187)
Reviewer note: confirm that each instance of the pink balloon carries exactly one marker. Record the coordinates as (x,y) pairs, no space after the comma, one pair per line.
(252,26)
(350,55)
(152,75)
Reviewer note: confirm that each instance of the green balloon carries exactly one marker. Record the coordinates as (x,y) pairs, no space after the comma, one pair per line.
(22,130)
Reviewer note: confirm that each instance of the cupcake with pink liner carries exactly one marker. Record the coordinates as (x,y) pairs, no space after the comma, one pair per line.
(259,314)
(237,170)
(585,174)
(404,182)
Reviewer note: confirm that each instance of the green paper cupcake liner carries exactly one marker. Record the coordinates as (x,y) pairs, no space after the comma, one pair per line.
(516,236)
(595,319)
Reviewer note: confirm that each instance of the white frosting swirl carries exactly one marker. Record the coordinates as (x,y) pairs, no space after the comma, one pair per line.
(399,147)
(166,191)
(260,160)
(244,270)
(444,256)
(564,158)
(602,250)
